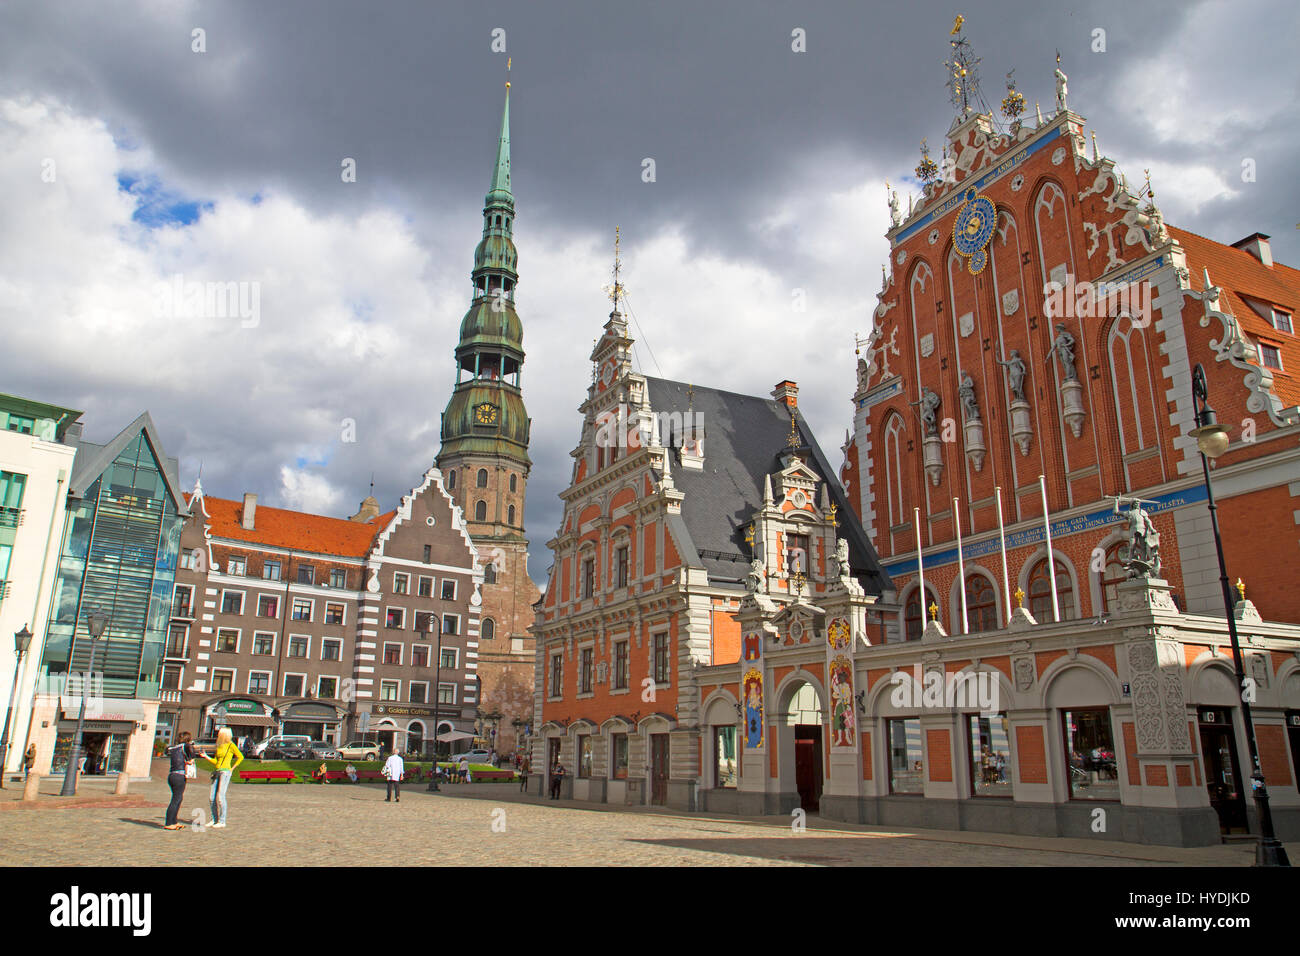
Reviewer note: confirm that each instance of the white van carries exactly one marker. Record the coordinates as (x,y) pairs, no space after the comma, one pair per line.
(279,740)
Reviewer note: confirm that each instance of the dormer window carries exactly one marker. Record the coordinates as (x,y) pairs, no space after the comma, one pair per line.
(1282,322)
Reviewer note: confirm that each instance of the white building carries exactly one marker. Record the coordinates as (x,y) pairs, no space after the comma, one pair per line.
(37,446)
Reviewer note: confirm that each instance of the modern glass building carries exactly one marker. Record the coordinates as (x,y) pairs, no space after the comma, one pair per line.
(118,557)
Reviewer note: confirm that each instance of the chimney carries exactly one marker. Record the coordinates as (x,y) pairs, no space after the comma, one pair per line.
(787,392)
(250,511)
(1257,245)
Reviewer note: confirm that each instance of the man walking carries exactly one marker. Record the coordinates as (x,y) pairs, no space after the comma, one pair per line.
(393,771)
(524,768)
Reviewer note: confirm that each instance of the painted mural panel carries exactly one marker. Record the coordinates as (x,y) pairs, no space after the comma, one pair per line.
(843,715)
(753,685)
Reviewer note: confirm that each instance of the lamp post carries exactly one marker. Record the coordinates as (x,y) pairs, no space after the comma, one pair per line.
(22,640)
(1212,441)
(436,620)
(96,621)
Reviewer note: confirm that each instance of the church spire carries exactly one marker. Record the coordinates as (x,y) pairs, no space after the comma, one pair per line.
(499,191)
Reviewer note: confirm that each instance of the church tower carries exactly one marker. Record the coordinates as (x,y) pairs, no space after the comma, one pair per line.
(484,458)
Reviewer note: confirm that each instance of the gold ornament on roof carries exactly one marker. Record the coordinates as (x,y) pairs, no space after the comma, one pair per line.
(927,171)
(956,25)
(1020,596)
(1013,104)
(794,431)
(834,509)
(934,611)
(1241,588)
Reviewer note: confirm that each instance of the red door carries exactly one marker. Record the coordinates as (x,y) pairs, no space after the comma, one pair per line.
(808,765)
(659,769)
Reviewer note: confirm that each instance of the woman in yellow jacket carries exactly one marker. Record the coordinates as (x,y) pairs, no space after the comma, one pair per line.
(226,759)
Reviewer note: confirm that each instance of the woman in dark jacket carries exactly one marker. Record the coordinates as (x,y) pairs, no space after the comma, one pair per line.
(180,754)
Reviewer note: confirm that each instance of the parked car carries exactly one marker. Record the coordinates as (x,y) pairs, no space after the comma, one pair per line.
(279,740)
(475,756)
(323,750)
(361,750)
(290,750)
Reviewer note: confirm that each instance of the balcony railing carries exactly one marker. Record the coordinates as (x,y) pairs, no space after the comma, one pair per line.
(169,696)
(11,517)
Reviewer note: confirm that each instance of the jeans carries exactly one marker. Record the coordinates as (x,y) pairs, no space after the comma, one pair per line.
(394,790)
(523,782)
(177,782)
(219,793)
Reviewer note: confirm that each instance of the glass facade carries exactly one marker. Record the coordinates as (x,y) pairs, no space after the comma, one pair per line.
(1090,754)
(990,755)
(906,761)
(119,557)
(724,755)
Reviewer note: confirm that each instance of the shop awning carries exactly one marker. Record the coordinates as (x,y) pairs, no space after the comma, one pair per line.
(103,708)
(246,720)
(452,736)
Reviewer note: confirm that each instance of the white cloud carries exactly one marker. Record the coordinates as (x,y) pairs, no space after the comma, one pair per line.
(305,491)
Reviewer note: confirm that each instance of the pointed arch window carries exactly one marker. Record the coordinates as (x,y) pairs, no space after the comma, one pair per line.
(894,471)
(1112,575)
(914,617)
(1040,592)
(981,604)
(514,483)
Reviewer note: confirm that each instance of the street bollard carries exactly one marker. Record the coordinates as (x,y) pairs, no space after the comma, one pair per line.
(32,786)
(123,783)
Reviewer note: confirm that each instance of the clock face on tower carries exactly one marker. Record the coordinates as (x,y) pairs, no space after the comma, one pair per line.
(485,414)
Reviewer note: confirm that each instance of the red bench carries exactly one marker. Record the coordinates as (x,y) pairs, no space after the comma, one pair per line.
(286,775)
(486,776)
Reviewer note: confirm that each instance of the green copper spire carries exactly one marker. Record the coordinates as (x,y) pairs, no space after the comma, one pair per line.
(486,414)
(499,192)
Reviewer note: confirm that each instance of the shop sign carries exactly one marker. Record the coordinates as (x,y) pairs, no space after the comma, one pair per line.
(402,710)
(241,706)
(311,710)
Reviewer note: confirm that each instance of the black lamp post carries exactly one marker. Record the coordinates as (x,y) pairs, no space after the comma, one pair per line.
(22,640)
(436,620)
(1212,441)
(96,621)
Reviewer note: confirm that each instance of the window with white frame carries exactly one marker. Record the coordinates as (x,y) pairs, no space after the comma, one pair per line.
(302,608)
(327,688)
(271,570)
(1270,356)
(418,692)
(259,682)
(446,693)
(419,655)
(425,586)
(395,618)
(222,680)
(338,578)
(263,643)
(392,653)
(1282,322)
(557,675)
(451,624)
(390,689)
(334,613)
(450,658)
(268,605)
(227,641)
(232,602)
(236,565)
(449,589)
(331,649)
(401,583)
(294,684)
(299,645)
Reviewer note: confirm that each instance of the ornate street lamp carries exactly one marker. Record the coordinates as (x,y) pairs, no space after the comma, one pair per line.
(96,622)
(1212,441)
(22,640)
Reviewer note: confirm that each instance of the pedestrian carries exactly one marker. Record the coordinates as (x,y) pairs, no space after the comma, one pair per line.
(182,757)
(29,761)
(226,758)
(393,770)
(351,771)
(556,776)
(319,773)
(523,776)
(464,769)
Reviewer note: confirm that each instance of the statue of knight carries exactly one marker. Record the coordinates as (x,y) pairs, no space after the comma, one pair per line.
(1142,557)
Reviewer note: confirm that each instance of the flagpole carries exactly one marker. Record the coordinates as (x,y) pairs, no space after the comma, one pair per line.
(961,571)
(920,565)
(1002,541)
(1051,559)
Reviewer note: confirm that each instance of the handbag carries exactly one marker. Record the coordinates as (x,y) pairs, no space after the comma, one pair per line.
(191,771)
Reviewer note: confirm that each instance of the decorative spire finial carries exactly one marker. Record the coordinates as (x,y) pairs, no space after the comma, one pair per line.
(1241,588)
(1013,104)
(617,289)
(794,431)
(1020,596)
(963,70)
(927,171)
(934,611)
(507,72)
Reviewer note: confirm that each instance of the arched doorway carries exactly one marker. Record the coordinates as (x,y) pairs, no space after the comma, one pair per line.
(801,743)
(415,737)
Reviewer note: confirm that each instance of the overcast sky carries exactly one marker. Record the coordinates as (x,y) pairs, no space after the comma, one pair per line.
(128,158)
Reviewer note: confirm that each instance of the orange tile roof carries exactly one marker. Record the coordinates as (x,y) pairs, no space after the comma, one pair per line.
(294,530)
(1240,275)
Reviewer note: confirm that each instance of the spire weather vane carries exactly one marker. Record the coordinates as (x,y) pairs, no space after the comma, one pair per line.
(617,290)
(963,70)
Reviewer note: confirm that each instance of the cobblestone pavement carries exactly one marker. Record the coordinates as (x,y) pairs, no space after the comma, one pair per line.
(276,824)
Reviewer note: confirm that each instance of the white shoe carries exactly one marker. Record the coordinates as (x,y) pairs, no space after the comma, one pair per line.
(218,826)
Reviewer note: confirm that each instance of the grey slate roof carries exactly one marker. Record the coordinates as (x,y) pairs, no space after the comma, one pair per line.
(744,438)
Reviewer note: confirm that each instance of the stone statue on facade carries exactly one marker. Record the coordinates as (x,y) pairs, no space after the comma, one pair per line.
(1061,90)
(754,579)
(895,217)
(842,559)
(1142,557)
(930,402)
(1064,347)
(967,395)
(1015,367)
